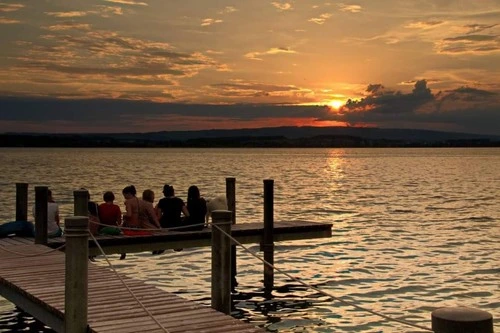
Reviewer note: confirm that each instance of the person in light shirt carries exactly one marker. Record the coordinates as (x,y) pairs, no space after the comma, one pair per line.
(53,221)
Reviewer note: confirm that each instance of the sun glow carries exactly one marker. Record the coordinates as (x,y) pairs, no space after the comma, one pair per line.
(336,104)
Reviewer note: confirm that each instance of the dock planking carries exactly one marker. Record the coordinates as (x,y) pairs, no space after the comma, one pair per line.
(36,284)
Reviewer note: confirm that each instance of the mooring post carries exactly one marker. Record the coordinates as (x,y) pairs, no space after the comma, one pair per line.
(461,320)
(81,199)
(267,244)
(41,203)
(231,206)
(21,201)
(76,279)
(221,261)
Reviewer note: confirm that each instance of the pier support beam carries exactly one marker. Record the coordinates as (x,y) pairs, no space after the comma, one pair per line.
(231,206)
(221,261)
(21,201)
(41,203)
(267,244)
(76,279)
(461,320)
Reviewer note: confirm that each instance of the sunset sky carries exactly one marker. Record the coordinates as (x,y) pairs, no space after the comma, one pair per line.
(152,65)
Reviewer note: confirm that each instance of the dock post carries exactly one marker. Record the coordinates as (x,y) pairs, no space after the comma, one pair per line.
(21,201)
(221,261)
(267,244)
(461,320)
(76,279)
(81,199)
(231,205)
(41,203)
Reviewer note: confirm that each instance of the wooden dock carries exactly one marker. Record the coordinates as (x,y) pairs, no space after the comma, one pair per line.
(36,282)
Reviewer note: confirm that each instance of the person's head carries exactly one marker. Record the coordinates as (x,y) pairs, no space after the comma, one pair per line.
(108,196)
(148,195)
(168,190)
(129,192)
(193,192)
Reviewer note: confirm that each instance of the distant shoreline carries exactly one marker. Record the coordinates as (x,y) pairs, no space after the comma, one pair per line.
(323,141)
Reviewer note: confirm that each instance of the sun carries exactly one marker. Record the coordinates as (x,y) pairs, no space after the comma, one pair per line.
(336,104)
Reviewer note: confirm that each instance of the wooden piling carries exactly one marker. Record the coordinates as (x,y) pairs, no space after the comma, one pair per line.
(267,244)
(21,201)
(81,199)
(221,261)
(76,276)
(41,207)
(461,320)
(231,206)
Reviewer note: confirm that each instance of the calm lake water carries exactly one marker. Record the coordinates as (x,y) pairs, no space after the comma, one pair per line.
(414,229)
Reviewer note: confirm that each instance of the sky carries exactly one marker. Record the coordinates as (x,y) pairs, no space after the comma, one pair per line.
(108,66)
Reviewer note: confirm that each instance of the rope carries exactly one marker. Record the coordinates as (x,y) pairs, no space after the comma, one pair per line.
(319,290)
(152,229)
(33,254)
(127,287)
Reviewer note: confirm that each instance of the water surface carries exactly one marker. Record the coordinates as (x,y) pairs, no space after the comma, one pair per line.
(414,229)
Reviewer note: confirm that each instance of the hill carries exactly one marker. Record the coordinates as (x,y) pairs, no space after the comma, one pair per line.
(258,137)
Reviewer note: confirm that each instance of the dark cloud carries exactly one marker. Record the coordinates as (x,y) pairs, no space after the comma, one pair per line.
(464,109)
(474,38)
(475,28)
(90,110)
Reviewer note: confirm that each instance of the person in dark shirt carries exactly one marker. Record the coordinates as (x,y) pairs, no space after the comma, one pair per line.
(170,209)
(197,208)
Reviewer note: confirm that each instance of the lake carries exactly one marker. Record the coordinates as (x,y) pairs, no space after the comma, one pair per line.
(413,229)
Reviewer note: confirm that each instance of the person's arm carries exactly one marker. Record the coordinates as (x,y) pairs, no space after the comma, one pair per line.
(128,209)
(153,217)
(118,215)
(185,211)
(158,211)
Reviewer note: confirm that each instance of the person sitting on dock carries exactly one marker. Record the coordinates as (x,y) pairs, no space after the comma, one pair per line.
(197,208)
(53,221)
(170,208)
(147,213)
(110,214)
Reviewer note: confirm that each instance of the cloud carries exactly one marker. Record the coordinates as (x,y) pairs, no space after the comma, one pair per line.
(4,20)
(320,19)
(463,109)
(282,6)
(228,10)
(476,28)
(209,21)
(67,14)
(10,7)
(102,63)
(271,51)
(105,11)
(129,2)
(130,115)
(350,8)
(471,43)
(424,24)
(68,26)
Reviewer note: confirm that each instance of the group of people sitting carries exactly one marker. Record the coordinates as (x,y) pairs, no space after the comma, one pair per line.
(140,213)
(140,216)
